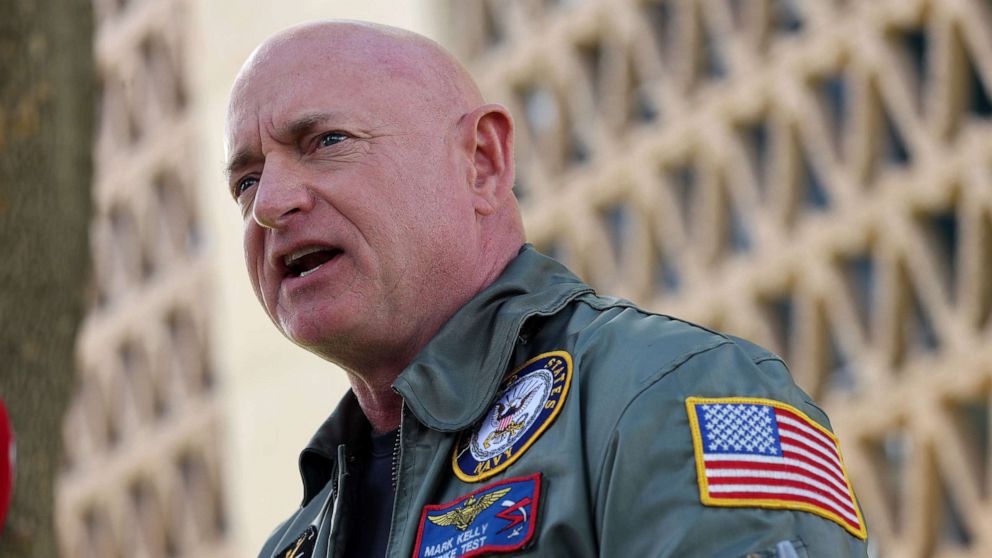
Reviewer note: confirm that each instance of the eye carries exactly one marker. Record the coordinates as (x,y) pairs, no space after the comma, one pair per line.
(243,185)
(330,139)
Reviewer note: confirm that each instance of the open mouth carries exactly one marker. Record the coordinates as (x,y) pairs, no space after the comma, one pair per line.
(304,262)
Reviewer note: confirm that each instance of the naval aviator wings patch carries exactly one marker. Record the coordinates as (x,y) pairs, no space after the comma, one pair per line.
(767,454)
(529,401)
(497,518)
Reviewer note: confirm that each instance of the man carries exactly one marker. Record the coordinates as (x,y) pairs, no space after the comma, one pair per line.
(498,404)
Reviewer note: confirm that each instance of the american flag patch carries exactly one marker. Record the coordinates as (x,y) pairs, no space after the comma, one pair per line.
(764,453)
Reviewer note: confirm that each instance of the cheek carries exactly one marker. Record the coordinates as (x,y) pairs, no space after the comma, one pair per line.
(254,256)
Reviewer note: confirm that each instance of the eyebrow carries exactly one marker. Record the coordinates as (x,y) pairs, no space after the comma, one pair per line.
(292,129)
(304,124)
(241,159)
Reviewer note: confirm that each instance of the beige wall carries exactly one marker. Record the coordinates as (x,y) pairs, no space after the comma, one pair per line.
(275,394)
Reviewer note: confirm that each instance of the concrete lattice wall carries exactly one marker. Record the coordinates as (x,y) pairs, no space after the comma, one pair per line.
(815,175)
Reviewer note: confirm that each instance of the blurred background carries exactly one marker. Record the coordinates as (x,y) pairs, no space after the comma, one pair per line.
(814,175)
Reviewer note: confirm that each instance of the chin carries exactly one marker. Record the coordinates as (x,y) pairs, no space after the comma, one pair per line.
(306,335)
(314,330)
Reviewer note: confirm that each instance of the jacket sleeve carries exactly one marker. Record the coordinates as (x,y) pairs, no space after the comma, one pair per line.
(648,494)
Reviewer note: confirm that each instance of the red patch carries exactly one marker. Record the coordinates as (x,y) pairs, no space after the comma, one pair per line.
(497,518)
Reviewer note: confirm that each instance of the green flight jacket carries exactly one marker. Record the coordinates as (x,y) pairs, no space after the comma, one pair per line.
(617,464)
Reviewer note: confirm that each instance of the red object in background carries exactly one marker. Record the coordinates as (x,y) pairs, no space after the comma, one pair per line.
(6,463)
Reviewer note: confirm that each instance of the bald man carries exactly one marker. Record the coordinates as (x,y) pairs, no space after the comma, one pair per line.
(498,404)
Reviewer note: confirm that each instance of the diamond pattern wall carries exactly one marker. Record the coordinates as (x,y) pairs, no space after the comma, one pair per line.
(815,175)
(142,437)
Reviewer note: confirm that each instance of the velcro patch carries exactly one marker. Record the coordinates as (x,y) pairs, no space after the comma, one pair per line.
(764,453)
(302,547)
(530,400)
(500,517)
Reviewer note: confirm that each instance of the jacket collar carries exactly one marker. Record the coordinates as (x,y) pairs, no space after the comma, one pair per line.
(453,380)
(347,424)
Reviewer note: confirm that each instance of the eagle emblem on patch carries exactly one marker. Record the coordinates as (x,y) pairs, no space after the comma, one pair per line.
(463,516)
(529,401)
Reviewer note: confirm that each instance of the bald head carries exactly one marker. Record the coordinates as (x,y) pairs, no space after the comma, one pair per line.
(376,187)
(399,53)
(364,51)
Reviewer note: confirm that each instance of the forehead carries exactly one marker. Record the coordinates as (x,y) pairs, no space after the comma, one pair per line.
(313,72)
(275,93)
(379,82)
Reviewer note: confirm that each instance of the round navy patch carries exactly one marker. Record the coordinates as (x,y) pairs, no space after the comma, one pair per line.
(530,400)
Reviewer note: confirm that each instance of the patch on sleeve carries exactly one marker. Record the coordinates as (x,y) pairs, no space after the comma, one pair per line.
(764,453)
(500,517)
(530,400)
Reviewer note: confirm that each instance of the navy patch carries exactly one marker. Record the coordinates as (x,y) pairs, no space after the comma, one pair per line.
(531,399)
(302,547)
(500,517)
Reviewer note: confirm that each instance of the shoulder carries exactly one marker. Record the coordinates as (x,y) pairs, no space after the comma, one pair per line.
(626,353)
(644,379)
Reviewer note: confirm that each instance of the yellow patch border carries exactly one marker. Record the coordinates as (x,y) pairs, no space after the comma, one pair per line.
(533,438)
(704,492)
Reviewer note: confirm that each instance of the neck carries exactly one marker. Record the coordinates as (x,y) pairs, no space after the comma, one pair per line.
(381,405)
(372,380)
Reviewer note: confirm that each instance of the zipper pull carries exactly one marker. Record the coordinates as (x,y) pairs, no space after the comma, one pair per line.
(342,460)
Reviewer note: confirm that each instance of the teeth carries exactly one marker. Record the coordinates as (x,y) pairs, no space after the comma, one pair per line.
(309,271)
(288,259)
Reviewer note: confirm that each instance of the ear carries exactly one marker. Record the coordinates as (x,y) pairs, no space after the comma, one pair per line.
(489,139)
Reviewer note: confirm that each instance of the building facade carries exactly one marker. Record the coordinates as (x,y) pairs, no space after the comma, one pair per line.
(815,175)
(142,438)
(812,175)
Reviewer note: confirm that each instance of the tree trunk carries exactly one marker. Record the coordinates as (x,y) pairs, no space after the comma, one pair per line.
(46,139)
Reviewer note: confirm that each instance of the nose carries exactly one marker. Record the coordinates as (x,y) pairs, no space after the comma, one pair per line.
(280,194)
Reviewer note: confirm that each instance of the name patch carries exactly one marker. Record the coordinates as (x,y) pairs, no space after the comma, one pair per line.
(530,400)
(497,518)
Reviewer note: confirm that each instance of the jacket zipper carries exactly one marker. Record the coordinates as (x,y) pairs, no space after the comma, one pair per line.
(394,475)
(394,465)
